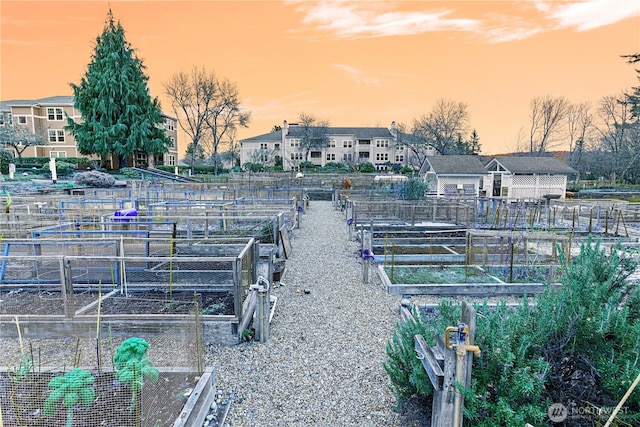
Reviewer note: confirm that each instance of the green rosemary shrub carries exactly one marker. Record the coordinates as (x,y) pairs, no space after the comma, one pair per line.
(593,316)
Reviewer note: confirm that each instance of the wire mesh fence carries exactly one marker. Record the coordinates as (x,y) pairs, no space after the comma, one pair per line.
(111,380)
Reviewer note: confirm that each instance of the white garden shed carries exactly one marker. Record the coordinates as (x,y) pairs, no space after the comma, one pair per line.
(527,177)
(454,175)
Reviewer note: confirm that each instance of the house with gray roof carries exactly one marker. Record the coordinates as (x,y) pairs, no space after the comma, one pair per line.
(455,175)
(386,148)
(527,177)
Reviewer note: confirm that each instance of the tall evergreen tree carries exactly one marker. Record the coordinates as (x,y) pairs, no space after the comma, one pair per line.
(634,98)
(119,117)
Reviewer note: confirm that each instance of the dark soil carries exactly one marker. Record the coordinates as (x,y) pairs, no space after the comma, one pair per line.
(159,302)
(41,303)
(416,411)
(161,402)
(575,382)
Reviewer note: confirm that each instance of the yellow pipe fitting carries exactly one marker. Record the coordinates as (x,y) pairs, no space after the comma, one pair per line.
(475,349)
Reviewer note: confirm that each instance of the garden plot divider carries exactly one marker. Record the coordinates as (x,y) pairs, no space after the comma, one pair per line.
(71,293)
(414,212)
(179,393)
(489,263)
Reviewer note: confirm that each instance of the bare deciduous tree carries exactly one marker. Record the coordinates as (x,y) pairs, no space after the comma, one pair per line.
(616,117)
(580,131)
(208,109)
(547,120)
(192,95)
(442,127)
(225,116)
(314,134)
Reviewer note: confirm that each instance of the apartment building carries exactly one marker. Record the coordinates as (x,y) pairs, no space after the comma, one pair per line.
(48,117)
(384,147)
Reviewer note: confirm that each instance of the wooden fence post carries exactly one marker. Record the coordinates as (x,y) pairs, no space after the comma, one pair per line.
(439,363)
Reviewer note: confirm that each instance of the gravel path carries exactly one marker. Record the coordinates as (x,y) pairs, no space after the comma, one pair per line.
(322,365)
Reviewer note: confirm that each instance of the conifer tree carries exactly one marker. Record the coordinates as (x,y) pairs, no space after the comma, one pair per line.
(119,117)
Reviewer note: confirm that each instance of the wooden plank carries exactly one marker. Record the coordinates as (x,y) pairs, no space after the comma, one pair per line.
(430,363)
(468,289)
(405,313)
(196,409)
(468,317)
(443,400)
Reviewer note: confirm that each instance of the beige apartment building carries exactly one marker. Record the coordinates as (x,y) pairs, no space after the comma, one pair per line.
(385,147)
(48,117)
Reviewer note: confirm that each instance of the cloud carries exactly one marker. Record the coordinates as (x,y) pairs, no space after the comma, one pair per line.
(587,15)
(378,19)
(357,75)
(524,19)
(276,109)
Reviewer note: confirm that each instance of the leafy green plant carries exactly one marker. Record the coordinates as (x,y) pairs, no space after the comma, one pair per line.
(76,386)
(248,334)
(404,369)
(367,167)
(265,235)
(6,157)
(133,367)
(215,308)
(62,168)
(22,369)
(413,189)
(130,173)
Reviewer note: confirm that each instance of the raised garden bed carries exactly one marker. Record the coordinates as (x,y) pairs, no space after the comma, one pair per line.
(450,281)
(161,302)
(24,302)
(177,398)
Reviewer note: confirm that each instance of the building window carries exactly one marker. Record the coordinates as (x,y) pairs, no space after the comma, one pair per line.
(169,124)
(296,156)
(56,135)
(332,143)
(347,143)
(347,157)
(171,160)
(315,154)
(276,146)
(54,114)
(57,154)
(22,120)
(363,155)
(399,158)
(382,157)
(382,143)
(295,142)
(6,119)
(331,157)
(364,142)
(264,146)
(173,141)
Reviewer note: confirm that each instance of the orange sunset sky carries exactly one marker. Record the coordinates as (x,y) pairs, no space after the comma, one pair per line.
(353,63)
